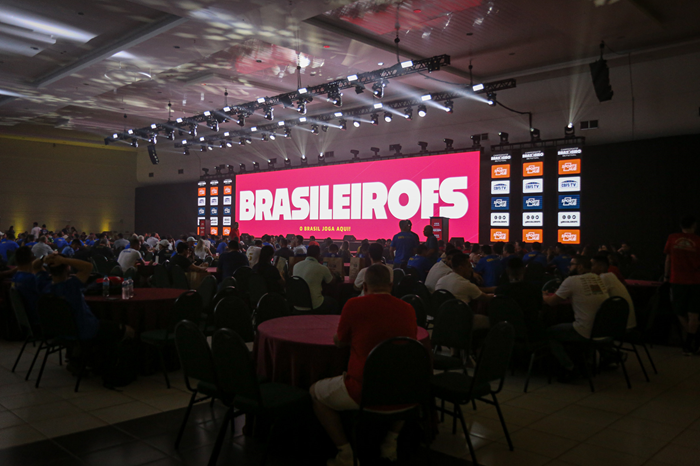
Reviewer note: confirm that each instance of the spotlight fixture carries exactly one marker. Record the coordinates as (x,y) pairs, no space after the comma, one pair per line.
(286,102)
(271,163)
(355,155)
(534,134)
(248,140)
(314,129)
(378,90)
(304,161)
(170,134)
(134,143)
(193,131)
(210,148)
(153,139)
(336,98)
(269,113)
(203,148)
(241,168)
(229,144)
(256,167)
(206,171)
(253,129)
(359,89)
(448,143)
(321,160)
(374,118)
(272,136)
(376,152)
(504,137)
(115,136)
(218,170)
(477,87)
(387,117)
(213,125)
(240,120)
(476,140)
(287,132)
(491,99)
(356,123)
(230,169)
(422,111)
(396,148)
(408,113)
(302,119)
(241,140)
(343,124)
(338,114)
(186,150)
(301,107)
(423,147)
(287,163)
(569,130)
(264,137)
(449,106)
(324,128)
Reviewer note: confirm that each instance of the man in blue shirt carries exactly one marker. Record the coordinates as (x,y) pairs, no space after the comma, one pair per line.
(490,266)
(7,245)
(421,262)
(403,245)
(562,260)
(535,255)
(29,280)
(431,243)
(231,260)
(60,242)
(509,253)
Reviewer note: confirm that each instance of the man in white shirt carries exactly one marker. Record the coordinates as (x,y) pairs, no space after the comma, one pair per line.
(298,246)
(120,243)
(253,253)
(459,285)
(439,270)
(36,230)
(599,266)
(41,249)
(587,292)
(153,240)
(376,251)
(315,274)
(130,257)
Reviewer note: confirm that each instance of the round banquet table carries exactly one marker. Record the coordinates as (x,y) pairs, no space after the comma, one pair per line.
(299,350)
(147,310)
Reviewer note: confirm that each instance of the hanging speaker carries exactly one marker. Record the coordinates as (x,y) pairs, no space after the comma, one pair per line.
(601,80)
(152,154)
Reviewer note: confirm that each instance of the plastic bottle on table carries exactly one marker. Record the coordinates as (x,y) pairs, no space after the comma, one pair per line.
(125,289)
(105,286)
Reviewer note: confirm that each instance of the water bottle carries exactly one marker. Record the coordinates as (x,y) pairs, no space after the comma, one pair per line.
(105,287)
(125,289)
(131,288)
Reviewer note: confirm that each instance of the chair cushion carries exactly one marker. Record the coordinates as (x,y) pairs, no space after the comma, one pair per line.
(443,362)
(455,386)
(278,400)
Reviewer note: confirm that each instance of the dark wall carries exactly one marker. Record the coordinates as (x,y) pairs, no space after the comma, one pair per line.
(167,208)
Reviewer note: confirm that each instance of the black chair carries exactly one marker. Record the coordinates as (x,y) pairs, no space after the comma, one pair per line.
(148,257)
(551,286)
(397,372)
(241,389)
(111,264)
(299,295)
(534,273)
(178,278)
(271,306)
(102,264)
(197,363)
(453,329)
(23,322)
(412,271)
(242,276)
(419,308)
(187,307)
(207,291)
(161,278)
(228,281)
(492,365)
(503,309)
(398,275)
(257,287)
(116,272)
(640,335)
(58,332)
(407,285)
(436,300)
(132,273)
(234,313)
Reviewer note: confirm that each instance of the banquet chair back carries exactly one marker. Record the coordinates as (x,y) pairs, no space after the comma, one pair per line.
(494,359)
(298,294)
(207,290)
(257,287)
(422,291)
(436,300)
(234,367)
(161,279)
(242,276)
(534,273)
(179,279)
(227,292)
(194,353)
(234,313)
(188,306)
(611,319)
(116,272)
(407,285)
(22,321)
(271,306)
(101,264)
(453,325)
(148,257)
(112,264)
(419,308)
(228,281)
(398,275)
(551,286)
(503,309)
(412,271)
(130,273)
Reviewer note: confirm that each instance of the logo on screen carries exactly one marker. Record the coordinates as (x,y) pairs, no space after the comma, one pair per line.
(227,211)
(532,219)
(500,219)
(572,183)
(570,152)
(213,201)
(214,191)
(227,220)
(201,211)
(533,168)
(202,183)
(500,187)
(214,221)
(532,203)
(201,191)
(569,219)
(534,155)
(532,186)
(569,202)
(226,231)
(213,231)
(227,190)
(569,167)
(214,211)
(202,201)
(227,200)
(530,236)
(500,171)
(570,236)
(228,181)
(499,235)
(499,203)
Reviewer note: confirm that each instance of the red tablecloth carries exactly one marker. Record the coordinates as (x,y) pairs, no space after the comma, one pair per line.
(147,310)
(299,350)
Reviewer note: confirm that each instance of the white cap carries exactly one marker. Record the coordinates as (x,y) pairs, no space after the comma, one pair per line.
(165,243)
(191,238)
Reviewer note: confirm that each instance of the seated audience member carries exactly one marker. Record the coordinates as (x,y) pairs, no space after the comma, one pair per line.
(535,255)
(284,250)
(587,292)
(561,260)
(332,251)
(599,266)
(345,252)
(60,242)
(266,240)
(613,268)
(253,253)
(364,323)
(130,257)
(201,250)
(363,251)
(475,254)
(325,249)
(29,241)
(153,240)
(29,279)
(8,245)
(120,243)
(508,254)
(431,243)
(79,251)
(41,248)
(420,262)
(182,260)
(102,249)
(231,260)
(490,267)
(163,253)
(264,268)
(439,270)
(458,283)
(315,274)
(313,242)
(298,246)
(375,255)
(527,295)
(70,287)
(223,245)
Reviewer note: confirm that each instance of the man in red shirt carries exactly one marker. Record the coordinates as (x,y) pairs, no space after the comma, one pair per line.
(365,322)
(683,270)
